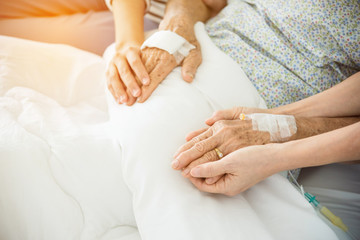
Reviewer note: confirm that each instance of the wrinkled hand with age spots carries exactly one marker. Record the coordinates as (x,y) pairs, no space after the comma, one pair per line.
(226,132)
(160,63)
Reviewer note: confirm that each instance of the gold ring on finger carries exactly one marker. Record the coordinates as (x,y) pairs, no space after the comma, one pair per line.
(219,153)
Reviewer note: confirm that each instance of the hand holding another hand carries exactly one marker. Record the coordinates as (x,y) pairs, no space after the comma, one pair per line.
(227,133)
(159,63)
(126,74)
(237,171)
(134,74)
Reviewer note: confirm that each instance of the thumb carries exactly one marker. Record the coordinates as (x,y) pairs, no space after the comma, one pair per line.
(228,114)
(191,64)
(207,170)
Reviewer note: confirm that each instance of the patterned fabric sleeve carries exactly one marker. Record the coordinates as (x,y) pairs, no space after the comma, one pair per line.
(290,49)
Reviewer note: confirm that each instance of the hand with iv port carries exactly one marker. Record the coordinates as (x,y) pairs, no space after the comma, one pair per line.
(159,63)
(224,135)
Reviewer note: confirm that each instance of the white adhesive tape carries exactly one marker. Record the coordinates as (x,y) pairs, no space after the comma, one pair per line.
(170,42)
(280,127)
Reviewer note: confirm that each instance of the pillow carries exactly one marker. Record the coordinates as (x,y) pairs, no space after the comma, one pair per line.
(166,205)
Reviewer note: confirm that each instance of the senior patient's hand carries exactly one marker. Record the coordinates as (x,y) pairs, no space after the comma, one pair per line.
(225,135)
(238,171)
(160,63)
(126,74)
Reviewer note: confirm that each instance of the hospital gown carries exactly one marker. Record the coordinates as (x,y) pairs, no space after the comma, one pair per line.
(290,49)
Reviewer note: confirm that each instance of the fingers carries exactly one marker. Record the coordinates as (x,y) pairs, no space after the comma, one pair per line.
(210,169)
(131,99)
(218,187)
(203,134)
(138,67)
(127,76)
(207,157)
(212,180)
(195,133)
(194,149)
(157,76)
(114,84)
(233,113)
(228,114)
(191,64)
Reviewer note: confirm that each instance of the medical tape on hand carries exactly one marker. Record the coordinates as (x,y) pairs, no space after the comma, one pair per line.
(280,127)
(171,42)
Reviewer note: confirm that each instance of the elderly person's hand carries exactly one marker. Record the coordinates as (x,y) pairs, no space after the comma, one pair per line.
(221,139)
(227,134)
(237,171)
(160,63)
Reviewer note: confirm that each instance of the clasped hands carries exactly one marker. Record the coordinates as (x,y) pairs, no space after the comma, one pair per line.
(133,74)
(246,161)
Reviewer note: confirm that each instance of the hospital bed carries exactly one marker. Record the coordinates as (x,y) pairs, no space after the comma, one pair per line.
(76,165)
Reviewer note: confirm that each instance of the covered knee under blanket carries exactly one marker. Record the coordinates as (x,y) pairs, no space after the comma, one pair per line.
(63,174)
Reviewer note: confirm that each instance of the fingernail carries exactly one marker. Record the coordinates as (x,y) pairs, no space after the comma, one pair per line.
(195,172)
(209,181)
(175,164)
(190,75)
(136,92)
(146,81)
(185,172)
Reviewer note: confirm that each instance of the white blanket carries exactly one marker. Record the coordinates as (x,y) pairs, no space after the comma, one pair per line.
(64,176)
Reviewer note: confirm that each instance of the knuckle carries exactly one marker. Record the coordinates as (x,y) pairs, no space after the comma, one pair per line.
(134,49)
(195,140)
(208,157)
(213,155)
(219,124)
(199,146)
(124,71)
(210,170)
(134,61)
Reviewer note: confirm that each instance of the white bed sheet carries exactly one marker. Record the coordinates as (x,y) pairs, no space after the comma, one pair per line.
(61,172)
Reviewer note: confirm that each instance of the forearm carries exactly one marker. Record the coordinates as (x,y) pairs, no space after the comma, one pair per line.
(340,145)
(182,13)
(342,100)
(129,26)
(307,127)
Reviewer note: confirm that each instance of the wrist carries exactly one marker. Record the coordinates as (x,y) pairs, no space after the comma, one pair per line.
(275,158)
(307,127)
(284,158)
(124,46)
(180,24)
